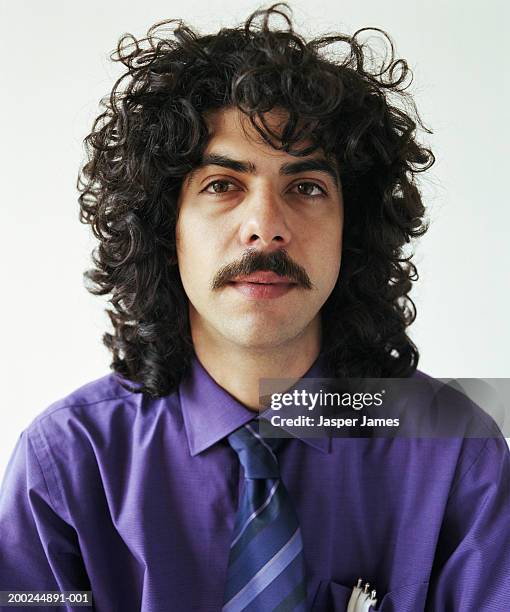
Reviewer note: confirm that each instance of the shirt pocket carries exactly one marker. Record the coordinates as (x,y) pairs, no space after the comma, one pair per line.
(331,597)
(334,597)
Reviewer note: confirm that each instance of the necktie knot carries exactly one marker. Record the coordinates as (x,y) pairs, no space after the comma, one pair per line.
(256,454)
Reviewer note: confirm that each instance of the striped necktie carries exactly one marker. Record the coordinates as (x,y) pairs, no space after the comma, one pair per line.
(266,570)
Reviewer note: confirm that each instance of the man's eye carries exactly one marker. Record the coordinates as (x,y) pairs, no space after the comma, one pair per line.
(219,187)
(310,190)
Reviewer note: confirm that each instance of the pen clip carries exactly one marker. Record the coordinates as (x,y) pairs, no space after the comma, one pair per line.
(361,599)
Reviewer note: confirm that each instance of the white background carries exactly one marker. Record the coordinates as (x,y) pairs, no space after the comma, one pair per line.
(54,70)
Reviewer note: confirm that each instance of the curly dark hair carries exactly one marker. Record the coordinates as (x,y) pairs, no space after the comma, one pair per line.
(152,133)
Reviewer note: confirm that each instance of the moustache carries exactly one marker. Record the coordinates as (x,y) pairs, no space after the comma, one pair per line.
(254,260)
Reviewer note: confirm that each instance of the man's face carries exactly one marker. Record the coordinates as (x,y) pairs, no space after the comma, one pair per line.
(247,210)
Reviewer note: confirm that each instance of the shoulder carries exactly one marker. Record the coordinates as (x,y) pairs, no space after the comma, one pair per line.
(92,431)
(453,406)
(91,414)
(85,413)
(100,396)
(461,410)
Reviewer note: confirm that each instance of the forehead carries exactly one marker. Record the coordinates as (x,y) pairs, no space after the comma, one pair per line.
(230,119)
(231,127)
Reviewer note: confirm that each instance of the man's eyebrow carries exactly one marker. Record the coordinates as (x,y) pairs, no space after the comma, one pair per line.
(213,159)
(316,164)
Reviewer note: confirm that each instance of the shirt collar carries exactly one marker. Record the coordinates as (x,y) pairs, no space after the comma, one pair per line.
(210,413)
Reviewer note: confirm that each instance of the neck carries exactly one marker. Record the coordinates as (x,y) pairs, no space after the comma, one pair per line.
(238,369)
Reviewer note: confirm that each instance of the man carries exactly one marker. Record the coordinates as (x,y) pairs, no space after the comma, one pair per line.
(251,199)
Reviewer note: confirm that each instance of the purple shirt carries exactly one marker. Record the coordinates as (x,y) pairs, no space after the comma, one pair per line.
(134,498)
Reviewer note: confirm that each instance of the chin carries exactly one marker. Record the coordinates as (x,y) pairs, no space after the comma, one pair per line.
(260,336)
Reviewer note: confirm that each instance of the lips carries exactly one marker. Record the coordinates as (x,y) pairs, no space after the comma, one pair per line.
(262,285)
(263,278)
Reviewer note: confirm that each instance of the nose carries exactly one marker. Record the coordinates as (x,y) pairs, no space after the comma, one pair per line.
(264,224)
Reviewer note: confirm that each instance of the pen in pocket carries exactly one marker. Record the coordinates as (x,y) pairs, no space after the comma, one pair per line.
(361,599)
